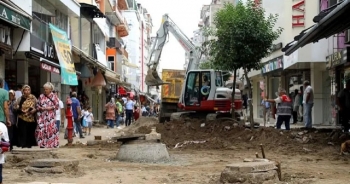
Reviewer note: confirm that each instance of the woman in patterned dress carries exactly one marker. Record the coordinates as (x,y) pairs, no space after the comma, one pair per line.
(46,132)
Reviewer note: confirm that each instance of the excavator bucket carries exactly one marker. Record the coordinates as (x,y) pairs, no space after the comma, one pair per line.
(153,79)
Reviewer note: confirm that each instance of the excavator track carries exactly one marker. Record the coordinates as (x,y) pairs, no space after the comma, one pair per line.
(180,115)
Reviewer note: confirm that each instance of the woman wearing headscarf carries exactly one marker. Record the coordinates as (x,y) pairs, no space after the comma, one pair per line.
(26,124)
(46,132)
(110,113)
(13,115)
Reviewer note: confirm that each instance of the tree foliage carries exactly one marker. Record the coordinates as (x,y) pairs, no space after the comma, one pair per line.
(244,35)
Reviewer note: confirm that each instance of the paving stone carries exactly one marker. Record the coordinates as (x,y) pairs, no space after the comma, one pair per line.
(251,167)
(31,151)
(40,163)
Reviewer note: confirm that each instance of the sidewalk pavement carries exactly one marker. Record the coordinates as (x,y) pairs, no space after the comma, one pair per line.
(295,126)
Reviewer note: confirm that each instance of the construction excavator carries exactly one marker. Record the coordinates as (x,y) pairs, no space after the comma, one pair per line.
(200,93)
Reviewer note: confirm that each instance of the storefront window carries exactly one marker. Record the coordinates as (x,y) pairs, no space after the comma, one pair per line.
(43,14)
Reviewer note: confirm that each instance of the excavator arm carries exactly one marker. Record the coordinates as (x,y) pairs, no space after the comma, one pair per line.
(167,25)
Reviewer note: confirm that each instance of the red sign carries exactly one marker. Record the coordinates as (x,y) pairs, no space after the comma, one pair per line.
(49,68)
(298,17)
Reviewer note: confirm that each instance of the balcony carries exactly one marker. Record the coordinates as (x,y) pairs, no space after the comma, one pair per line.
(123,29)
(112,12)
(123,5)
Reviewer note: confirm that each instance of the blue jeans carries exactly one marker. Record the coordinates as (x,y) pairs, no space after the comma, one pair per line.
(110,123)
(308,114)
(118,120)
(58,123)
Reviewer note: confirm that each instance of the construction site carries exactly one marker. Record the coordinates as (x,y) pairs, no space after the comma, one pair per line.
(194,152)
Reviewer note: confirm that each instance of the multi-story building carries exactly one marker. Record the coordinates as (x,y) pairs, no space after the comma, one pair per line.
(137,43)
(62,42)
(331,21)
(288,72)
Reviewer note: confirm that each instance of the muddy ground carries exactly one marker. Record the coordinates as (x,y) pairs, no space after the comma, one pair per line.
(198,155)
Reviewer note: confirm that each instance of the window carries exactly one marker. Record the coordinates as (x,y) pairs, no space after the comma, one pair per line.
(43,14)
(111,61)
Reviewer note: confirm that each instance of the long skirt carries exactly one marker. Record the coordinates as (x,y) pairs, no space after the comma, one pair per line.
(26,134)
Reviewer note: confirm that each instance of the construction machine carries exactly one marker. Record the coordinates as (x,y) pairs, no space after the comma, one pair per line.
(194,92)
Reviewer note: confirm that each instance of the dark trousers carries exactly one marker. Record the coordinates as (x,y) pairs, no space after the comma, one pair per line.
(281,119)
(344,119)
(128,118)
(26,134)
(0,173)
(295,116)
(10,132)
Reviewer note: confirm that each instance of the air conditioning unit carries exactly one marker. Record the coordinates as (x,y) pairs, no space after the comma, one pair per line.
(347,36)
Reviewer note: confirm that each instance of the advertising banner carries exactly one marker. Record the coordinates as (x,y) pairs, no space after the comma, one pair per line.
(64,55)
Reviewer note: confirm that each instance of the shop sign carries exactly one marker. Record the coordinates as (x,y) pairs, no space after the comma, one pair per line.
(298,14)
(337,58)
(64,53)
(14,18)
(49,68)
(274,64)
(5,35)
(42,48)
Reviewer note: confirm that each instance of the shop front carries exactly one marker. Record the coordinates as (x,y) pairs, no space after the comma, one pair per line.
(13,24)
(339,72)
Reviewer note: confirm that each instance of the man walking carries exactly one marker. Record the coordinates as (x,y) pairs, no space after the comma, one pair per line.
(343,102)
(4,108)
(308,103)
(266,110)
(129,110)
(76,109)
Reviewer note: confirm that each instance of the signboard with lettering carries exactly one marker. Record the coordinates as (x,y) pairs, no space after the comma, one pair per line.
(64,54)
(298,14)
(273,64)
(49,68)
(12,17)
(337,58)
(42,48)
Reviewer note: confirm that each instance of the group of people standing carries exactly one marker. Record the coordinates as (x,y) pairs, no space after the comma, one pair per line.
(291,106)
(116,110)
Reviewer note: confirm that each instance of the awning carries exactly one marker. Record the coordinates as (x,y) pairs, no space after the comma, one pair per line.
(91,10)
(129,64)
(14,16)
(333,22)
(88,58)
(112,77)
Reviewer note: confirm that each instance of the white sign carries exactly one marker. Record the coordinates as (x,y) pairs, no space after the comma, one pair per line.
(290,60)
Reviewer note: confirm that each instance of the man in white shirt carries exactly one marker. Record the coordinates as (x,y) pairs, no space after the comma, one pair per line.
(59,113)
(18,92)
(308,103)
(3,136)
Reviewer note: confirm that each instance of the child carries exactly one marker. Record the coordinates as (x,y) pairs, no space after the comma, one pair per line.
(89,118)
(4,137)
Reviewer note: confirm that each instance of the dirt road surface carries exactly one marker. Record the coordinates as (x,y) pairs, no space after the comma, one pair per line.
(306,156)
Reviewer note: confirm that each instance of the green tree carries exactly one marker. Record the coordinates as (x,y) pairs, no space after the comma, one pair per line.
(244,34)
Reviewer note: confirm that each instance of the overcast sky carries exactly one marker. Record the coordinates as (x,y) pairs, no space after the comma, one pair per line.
(186,14)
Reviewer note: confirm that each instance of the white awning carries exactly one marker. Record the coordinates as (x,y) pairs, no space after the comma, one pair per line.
(103,26)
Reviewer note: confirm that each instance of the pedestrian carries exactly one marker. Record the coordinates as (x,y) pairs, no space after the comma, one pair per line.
(59,112)
(12,130)
(136,113)
(266,110)
(89,118)
(308,103)
(4,139)
(76,110)
(284,109)
(343,102)
(26,118)
(129,109)
(18,92)
(296,106)
(110,113)
(47,134)
(120,112)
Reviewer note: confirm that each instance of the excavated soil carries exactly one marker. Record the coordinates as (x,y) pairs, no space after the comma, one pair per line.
(197,134)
